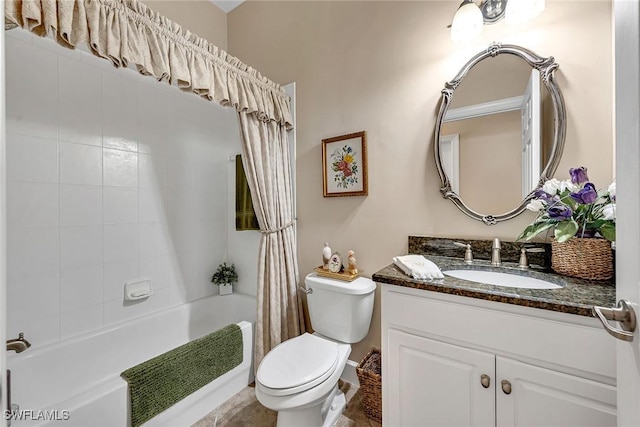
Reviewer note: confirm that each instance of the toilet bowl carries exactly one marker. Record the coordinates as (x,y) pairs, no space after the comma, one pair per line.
(299,377)
(299,380)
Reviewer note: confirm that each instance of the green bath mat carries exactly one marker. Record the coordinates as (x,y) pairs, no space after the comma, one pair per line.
(159,383)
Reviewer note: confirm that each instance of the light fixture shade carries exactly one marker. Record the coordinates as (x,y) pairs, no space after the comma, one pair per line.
(467,22)
(520,11)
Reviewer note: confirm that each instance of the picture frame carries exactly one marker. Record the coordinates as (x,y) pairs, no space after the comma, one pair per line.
(344,165)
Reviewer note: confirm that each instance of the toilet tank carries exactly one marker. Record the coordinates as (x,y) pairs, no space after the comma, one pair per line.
(338,309)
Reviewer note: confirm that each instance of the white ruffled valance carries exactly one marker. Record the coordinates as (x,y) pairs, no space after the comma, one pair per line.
(128,32)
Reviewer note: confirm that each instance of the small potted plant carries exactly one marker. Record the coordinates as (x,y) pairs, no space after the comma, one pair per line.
(224,277)
(583,220)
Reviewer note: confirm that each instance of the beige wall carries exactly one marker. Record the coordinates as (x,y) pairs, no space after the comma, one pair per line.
(379,67)
(490,150)
(198,16)
(491,79)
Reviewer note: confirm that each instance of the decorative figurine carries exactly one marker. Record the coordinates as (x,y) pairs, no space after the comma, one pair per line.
(335,263)
(353,268)
(326,256)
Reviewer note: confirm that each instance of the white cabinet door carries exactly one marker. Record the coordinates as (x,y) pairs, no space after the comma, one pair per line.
(431,383)
(546,398)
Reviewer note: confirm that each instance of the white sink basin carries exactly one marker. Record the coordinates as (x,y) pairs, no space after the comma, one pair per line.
(501,279)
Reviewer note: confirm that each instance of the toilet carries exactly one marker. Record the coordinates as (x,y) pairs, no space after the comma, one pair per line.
(299,377)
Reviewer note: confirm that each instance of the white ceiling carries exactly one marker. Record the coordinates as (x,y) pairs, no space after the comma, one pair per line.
(227,5)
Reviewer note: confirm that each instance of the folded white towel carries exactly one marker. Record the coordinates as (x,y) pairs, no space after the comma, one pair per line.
(418,267)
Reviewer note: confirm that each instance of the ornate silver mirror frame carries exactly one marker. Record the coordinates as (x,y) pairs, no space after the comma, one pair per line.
(546,67)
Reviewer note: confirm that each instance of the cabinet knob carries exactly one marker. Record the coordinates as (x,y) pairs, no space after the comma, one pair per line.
(506,386)
(485,380)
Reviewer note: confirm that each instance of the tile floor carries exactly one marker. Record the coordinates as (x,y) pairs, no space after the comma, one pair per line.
(244,410)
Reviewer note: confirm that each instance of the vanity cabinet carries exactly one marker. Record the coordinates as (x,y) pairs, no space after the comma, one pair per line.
(445,359)
(544,397)
(432,383)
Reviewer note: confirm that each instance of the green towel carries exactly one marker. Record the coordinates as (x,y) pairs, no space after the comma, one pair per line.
(158,383)
(246,218)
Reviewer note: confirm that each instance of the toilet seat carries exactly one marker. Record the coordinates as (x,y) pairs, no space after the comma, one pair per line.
(297,365)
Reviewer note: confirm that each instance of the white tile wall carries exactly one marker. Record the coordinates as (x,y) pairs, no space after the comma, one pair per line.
(117,273)
(120,205)
(32,250)
(111,178)
(120,168)
(85,319)
(80,246)
(80,109)
(79,163)
(80,204)
(153,102)
(120,242)
(39,289)
(120,112)
(151,205)
(33,159)
(32,95)
(80,287)
(152,170)
(32,204)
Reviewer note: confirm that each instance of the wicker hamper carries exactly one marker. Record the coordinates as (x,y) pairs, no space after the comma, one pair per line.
(369,372)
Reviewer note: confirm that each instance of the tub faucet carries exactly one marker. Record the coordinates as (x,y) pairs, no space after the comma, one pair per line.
(18,344)
(495,253)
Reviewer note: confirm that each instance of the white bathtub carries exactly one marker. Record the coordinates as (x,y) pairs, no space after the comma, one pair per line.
(79,378)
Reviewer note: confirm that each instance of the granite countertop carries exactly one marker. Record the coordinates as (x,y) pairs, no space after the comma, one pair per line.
(576,297)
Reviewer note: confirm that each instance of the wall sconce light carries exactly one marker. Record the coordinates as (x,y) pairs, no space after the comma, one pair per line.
(470,18)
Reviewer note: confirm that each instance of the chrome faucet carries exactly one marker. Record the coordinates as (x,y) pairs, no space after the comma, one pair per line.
(524,262)
(18,344)
(468,254)
(495,253)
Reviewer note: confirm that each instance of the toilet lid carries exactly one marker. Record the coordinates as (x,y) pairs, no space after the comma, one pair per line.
(304,360)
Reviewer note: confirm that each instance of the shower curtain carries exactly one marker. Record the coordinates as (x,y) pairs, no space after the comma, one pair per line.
(128,33)
(269,177)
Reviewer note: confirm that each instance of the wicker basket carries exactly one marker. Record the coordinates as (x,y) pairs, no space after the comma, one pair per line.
(586,258)
(369,372)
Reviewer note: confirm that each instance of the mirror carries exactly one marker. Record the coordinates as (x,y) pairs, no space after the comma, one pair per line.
(501,136)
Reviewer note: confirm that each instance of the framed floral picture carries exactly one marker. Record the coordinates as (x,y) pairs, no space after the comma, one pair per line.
(344,165)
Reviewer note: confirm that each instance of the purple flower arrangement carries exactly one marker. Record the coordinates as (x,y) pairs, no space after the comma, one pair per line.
(573,208)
